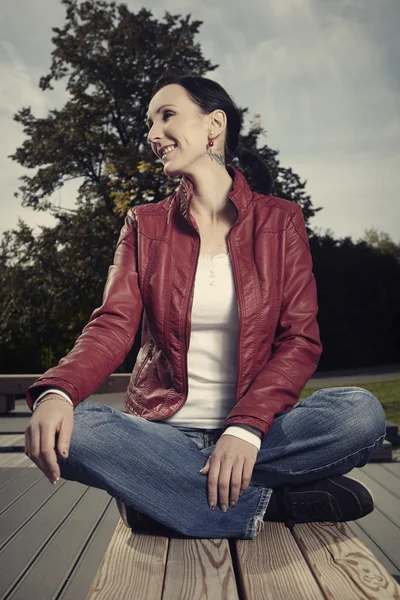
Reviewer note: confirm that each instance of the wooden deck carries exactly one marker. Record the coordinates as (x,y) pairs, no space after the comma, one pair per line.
(67,542)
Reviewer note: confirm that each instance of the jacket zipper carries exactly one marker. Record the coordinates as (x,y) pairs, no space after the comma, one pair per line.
(147,358)
(240,320)
(187,329)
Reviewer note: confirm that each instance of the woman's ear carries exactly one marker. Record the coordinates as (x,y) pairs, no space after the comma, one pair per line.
(218,121)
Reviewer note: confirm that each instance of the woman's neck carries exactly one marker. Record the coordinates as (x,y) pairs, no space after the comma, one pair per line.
(210,194)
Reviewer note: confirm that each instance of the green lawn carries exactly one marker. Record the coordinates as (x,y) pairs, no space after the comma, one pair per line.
(387,392)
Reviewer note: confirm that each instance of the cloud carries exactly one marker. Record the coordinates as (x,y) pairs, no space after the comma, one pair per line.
(19,88)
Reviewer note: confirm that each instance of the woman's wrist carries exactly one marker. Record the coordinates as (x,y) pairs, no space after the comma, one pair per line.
(53,396)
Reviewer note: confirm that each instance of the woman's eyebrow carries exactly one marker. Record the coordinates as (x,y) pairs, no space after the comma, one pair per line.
(159,109)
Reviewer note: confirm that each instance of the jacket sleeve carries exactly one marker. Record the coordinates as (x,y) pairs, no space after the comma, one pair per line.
(297,347)
(107,338)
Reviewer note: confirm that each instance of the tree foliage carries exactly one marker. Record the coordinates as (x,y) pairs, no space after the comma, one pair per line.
(359,313)
(382,242)
(110,58)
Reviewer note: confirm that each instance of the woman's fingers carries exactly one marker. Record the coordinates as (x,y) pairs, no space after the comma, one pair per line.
(40,436)
(224,480)
(246,475)
(65,434)
(225,483)
(212,481)
(236,483)
(230,467)
(48,457)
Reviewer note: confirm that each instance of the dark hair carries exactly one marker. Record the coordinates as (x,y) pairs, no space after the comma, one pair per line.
(209,96)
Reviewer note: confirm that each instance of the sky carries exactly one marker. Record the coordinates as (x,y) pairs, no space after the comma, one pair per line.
(323,75)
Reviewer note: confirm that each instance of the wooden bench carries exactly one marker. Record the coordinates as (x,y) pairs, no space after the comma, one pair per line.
(315,561)
(13,387)
(310,561)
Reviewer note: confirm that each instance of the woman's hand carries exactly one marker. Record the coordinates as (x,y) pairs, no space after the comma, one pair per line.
(229,468)
(51,417)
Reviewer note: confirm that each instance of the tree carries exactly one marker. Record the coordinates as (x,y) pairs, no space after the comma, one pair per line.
(382,242)
(359,313)
(110,59)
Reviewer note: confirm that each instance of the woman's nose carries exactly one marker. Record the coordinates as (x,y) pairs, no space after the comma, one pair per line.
(153,135)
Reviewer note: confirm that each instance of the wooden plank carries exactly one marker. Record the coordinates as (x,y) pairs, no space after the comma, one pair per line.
(48,570)
(199,564)
(17,514)
(16,421)
(375,549)
(386,502)
(7,403)
(15,459)
(23,549)
(12,440)
(133,567)
(18,384)
(272,567)
(80,581)
(13,426)
(342,564)
(385,477)
(394,468)
(13,468)
(382,531)
(20,485)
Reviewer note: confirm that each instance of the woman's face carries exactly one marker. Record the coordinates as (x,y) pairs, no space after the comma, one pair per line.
(178,124)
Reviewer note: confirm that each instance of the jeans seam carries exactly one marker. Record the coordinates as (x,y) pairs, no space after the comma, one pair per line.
(337,462)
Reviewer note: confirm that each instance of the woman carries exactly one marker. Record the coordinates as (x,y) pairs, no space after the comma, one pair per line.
(222,273)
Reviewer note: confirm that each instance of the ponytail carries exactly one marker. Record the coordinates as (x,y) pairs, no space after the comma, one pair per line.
(255,169)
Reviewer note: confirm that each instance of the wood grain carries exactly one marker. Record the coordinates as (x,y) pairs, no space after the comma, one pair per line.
(272,567)
(15,459)
(342,564)
(133,567)
(12,440)
(200,568)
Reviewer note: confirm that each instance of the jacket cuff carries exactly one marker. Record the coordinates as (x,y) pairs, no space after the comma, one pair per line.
(51,391)
(245,433)
(44,384)
(257,424)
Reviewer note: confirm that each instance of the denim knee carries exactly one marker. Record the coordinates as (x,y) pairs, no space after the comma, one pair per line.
(88,417)
(365,417)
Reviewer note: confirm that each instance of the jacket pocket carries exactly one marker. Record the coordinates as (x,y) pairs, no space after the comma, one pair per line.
(139,374)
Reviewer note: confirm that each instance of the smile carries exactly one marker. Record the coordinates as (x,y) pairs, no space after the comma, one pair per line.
(166,151)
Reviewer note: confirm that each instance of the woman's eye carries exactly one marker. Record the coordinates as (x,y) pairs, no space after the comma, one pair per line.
(167,114)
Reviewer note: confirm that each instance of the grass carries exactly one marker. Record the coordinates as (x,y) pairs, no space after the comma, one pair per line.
(387,392)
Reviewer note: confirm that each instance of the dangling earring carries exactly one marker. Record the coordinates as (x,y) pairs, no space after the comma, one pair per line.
(216,157)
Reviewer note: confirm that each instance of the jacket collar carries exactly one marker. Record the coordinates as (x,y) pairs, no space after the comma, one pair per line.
(240,193)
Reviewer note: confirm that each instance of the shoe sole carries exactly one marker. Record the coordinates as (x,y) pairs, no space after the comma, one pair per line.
(122,511)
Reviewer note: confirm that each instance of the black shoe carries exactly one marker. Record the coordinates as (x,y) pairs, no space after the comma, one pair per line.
(138,522)
(333,499)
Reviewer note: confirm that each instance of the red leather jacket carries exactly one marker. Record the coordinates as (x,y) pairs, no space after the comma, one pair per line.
(154,270)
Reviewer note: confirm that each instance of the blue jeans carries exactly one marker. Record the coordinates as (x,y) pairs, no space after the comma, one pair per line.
(154,467)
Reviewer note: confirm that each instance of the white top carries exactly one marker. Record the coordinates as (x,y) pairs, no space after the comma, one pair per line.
(213,352)
(213,347)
